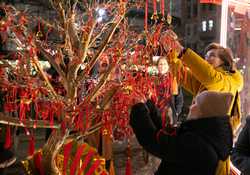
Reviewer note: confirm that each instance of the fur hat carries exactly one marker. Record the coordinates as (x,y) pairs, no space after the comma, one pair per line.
(211,104)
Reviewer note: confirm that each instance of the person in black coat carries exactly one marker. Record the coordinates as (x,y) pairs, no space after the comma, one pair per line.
(241,151)
(196,147)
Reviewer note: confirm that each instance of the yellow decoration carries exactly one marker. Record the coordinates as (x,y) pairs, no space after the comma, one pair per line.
(39,34)
(105,132)
(26,101)
(169,19)
(99,170)
(128,89)
(25,164)
(154,17)
(175,86)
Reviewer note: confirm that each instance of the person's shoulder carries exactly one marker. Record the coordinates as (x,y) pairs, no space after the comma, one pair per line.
(248,121)
(237,75)
(238,78)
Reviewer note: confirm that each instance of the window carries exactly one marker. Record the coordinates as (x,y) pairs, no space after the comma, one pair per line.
(189,10)
(195,9)
(204,26)
(210,24)
(204,7)
(211,7)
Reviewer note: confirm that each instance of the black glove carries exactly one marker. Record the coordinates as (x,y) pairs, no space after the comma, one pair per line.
(155,114)
(140,117)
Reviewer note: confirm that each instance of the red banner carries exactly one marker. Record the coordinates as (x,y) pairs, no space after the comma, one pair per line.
(211,1)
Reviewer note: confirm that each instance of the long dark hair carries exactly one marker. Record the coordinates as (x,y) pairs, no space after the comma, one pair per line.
(225,54)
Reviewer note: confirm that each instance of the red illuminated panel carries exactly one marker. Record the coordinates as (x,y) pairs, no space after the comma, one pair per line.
(211,1)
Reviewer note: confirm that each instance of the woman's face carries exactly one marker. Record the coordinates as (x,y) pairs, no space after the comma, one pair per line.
(213,59)
(163,66)
(104,63)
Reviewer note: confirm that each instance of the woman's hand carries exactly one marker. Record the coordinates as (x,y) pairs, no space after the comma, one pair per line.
(168,37)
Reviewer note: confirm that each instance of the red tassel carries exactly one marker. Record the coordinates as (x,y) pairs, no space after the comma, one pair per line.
(163,118)
(104,173)
(67,150)
(31,145)
(146,16)
(155,7)
(163,8)
(174,87)
(7,144)
(38,163)
(63,127)
(51,117)
(128,167)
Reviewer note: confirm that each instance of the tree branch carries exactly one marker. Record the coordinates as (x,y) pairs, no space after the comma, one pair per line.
(106,40)
(54,26)
(101,83)
(8,120)
(75,41)
(50,59)
(37,64)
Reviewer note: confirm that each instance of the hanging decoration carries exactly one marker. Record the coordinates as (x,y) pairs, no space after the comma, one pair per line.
(169,16)
(163,10)
(155,15)
(146,16)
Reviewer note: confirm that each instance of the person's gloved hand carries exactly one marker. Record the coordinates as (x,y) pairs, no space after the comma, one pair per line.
(140,119)
(155,114)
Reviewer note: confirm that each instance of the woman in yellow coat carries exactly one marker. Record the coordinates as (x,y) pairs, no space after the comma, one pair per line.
(216,72)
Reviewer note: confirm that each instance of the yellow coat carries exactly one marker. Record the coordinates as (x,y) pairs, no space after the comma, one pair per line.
(200,76)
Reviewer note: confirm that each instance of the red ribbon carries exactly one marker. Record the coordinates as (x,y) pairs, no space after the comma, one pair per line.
(88,157)
(128,167)
(66,153)
(146,16)
(7,144)
(63,127)
(37,113)
(51,117)
(38,163)
(93,167)
(155,7)
(163,8)
(76,160)
(32,145)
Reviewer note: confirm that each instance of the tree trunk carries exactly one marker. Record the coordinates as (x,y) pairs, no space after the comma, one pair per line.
(51,149)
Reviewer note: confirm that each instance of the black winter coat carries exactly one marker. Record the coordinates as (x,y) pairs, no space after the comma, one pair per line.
(241,152)
(176,104)
(195,149)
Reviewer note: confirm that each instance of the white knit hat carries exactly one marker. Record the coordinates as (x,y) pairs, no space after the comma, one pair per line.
(211,104)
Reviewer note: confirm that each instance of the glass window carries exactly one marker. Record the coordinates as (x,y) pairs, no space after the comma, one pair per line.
(210,25)
(204,26)
(195,10)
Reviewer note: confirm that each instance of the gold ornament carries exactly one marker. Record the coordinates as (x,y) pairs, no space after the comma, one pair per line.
(39,34)
(169,19)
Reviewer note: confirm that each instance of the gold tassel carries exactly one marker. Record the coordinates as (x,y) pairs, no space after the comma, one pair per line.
(174,86)
(111,168)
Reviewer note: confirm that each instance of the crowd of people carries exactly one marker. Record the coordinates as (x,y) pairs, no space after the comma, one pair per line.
(203,143)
